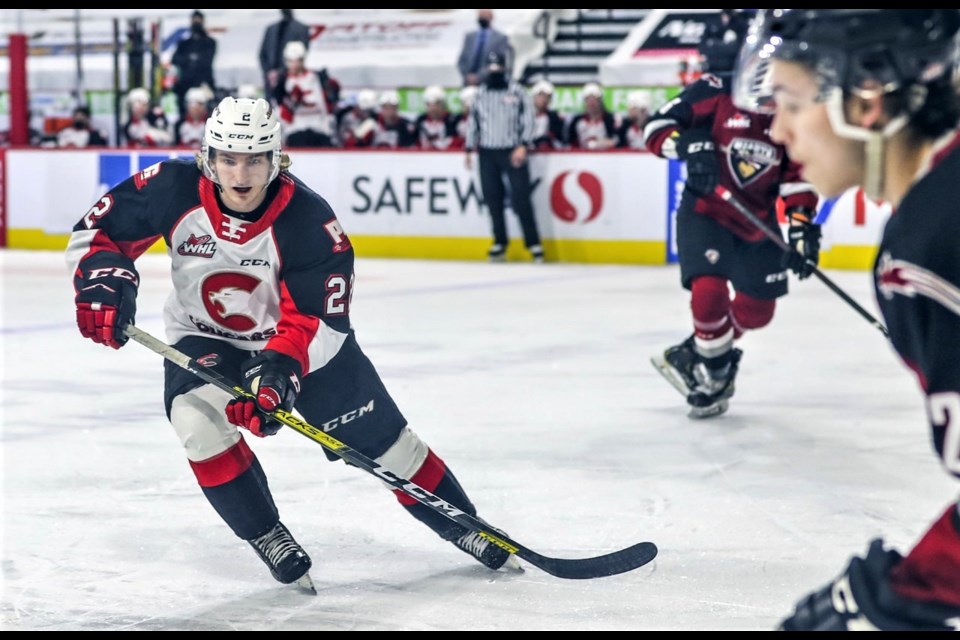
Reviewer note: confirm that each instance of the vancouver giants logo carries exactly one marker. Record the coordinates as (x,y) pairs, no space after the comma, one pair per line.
(579,200)
(899,276)
(228,298)
(202,247)
(750,159)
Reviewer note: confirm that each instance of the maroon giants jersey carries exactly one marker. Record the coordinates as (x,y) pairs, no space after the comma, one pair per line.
(752,167)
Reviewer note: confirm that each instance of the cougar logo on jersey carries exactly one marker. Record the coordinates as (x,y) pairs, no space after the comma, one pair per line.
(750,159)
(201,247)
(228,298)
(582,205)
(899,276)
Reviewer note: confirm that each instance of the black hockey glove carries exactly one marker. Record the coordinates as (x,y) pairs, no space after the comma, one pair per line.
(274,378)
(697,149)
(861,600)
(106,302)
(804,237)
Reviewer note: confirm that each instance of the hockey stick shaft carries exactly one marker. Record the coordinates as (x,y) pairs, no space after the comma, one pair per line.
(582,568)
(728,196)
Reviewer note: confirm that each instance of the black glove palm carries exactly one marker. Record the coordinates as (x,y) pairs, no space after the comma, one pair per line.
(274,378)
(697,149)
(804,238)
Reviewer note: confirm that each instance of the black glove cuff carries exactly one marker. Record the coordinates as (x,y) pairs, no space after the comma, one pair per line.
(275,358)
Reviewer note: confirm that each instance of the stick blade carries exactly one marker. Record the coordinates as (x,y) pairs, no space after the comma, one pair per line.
(610,564)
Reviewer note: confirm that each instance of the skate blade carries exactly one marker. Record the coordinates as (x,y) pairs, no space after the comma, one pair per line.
(306,583)
(715,409)
(670,375)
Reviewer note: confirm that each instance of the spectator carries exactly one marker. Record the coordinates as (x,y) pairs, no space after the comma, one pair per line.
(81,133)
(477,47)
(548,125)
(500,130)
(630,131)
(307,100)
(193,61)
(275,39)
(437,128)
(35,137)
(357,119)
(595,128)
(190,128)
(147,125)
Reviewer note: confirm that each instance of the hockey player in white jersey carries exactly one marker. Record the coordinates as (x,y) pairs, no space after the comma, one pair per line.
(263,280)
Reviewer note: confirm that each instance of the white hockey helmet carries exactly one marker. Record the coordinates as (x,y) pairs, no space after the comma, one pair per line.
(592,90)
(434,93)
(543,86)
(389,97)
(138,95)
(248,91)
(198,95)
(638,100)
(294,50)
(367,99)
(467,95)
(242,125)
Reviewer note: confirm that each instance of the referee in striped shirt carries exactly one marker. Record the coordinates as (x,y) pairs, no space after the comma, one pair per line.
(500,130)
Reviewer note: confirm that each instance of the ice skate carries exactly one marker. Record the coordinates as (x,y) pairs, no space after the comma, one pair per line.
(286,559)
(497,253)
(486,552)
(676,366)
(711,395)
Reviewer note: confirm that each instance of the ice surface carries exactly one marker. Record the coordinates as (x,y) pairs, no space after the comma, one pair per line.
(534,383)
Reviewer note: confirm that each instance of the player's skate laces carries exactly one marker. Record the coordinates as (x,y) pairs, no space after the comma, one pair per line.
(286,559)
(489,554)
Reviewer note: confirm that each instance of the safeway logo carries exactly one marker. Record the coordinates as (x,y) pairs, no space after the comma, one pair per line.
(576,200)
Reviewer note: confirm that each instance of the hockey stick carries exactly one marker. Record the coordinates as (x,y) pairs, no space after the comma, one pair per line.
(575,569)
(780,242)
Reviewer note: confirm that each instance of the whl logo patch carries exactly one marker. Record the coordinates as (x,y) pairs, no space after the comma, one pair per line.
(202,247)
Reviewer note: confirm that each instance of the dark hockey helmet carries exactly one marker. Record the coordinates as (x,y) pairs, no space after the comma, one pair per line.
(897,49)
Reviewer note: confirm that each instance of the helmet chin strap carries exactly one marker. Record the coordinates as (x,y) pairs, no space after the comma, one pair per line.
(875,142)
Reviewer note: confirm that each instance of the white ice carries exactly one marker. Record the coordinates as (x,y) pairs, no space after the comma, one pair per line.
(534,383)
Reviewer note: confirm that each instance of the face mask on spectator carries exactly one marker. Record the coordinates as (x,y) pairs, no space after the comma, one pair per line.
(483,22)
